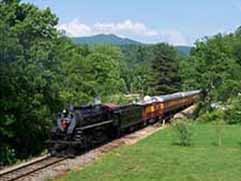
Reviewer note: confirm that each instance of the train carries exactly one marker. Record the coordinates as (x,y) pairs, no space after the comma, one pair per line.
(81,128)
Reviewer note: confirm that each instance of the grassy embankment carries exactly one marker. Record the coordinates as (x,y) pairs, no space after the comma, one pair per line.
(157,158)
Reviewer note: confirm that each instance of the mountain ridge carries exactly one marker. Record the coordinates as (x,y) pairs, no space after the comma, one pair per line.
(116,40)
(105,39)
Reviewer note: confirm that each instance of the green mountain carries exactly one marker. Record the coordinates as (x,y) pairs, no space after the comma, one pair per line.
(115,40)
(183,50)
(105,39)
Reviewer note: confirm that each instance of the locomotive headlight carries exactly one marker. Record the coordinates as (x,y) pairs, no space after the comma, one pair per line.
(66,121)
(63,124)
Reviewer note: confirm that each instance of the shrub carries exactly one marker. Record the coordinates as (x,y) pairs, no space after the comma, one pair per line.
(182,132)
(211,116)
(7,155)
(233,112)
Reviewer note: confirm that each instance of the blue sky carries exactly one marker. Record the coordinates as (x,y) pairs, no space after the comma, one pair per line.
(173,21)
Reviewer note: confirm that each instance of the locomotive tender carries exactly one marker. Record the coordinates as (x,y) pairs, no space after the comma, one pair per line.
(80,128)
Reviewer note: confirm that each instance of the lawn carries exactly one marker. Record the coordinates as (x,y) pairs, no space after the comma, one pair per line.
(157,158)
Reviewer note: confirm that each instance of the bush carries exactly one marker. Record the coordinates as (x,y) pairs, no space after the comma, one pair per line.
(7,155)
(233,112)
(182,132)
(211,116)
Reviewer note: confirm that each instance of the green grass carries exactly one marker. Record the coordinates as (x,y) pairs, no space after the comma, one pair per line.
(157,158)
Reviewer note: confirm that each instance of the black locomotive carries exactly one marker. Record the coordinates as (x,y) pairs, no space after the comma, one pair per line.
(81,128)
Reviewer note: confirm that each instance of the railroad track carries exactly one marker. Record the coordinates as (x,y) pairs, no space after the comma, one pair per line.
(29,168)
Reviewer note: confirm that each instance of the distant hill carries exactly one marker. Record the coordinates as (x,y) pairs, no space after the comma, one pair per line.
(115,40)
(105,39)
(183,50)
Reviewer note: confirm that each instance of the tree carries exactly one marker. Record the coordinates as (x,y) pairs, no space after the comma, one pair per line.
(104,70)
(9,50)
(233,112)
(29,94)
(165,69)
(213,66)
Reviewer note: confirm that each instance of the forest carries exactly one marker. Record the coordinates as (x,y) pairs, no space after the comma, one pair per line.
(42,71)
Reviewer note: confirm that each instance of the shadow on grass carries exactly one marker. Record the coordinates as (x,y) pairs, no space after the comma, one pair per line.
(215,144)
(181,145)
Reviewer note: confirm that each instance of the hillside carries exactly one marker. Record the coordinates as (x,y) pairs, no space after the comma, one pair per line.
(105,39)
(115,40)
(183,50)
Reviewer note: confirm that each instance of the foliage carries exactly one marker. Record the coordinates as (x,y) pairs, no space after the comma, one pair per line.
(89,72)
(233,112)
(230,112)
(136,79)
(183,132)
(211,116)
(110,39)
(183,50)
(136,71)
(7,155)
(214,66)
(29,93)
(151,69)
(136,54)
(166,78)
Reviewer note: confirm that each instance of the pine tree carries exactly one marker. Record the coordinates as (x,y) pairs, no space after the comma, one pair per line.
(165,69)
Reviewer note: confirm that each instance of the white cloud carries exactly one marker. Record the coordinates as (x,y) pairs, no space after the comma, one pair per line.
(75,28)
(126,28)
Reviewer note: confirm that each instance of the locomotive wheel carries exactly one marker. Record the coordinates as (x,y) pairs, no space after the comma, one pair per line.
(89,142)
(52,151)
(71,152)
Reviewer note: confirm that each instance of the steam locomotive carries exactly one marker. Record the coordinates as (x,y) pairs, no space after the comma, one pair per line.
(81,128)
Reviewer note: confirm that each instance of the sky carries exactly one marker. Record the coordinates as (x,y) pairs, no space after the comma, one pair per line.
(178,22)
